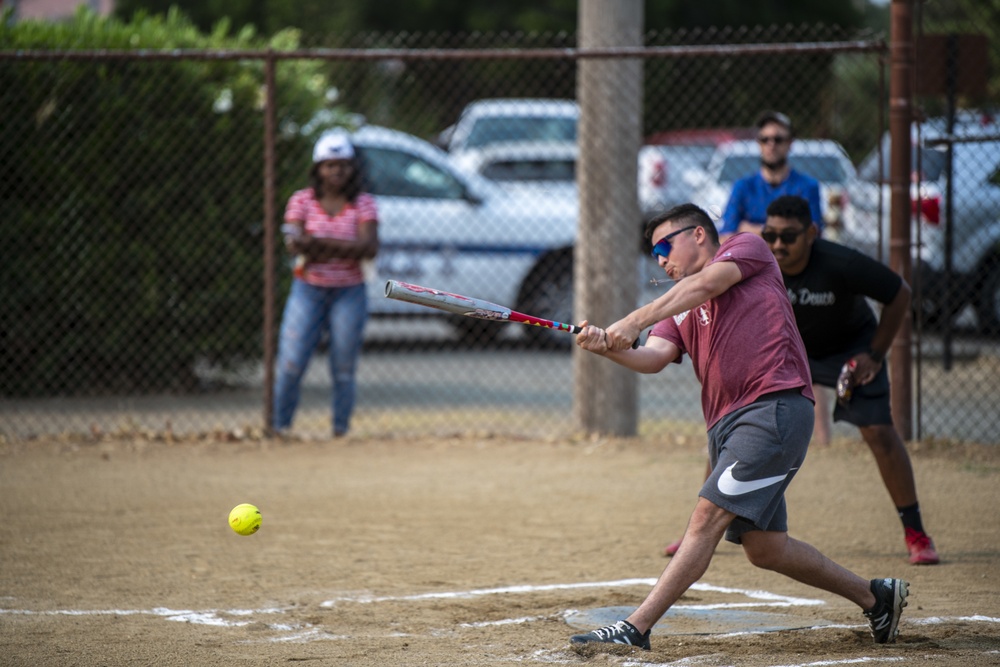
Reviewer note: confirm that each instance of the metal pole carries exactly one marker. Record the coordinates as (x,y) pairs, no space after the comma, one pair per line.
(951,76)
(270,124)
(901,58)
(368,55)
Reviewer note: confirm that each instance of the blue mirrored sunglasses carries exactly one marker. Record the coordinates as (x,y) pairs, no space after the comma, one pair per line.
(662,247)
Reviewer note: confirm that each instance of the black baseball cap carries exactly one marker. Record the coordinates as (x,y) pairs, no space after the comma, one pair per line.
(773,117)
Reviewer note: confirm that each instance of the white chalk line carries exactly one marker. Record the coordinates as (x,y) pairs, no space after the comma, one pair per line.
(306,632)
(935,620)
(772,599)
(549,656)
(846,661)
(291,632)
(713,660)
(200,617)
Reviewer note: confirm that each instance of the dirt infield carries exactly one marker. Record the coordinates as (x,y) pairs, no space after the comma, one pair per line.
(457,551)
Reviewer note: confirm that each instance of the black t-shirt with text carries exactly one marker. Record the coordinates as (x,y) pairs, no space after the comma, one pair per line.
(828,298)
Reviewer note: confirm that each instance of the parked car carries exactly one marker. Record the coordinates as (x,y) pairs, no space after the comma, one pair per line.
(531,140)
(495,121)
(666,173)
(546,168)
(454,230)
(458,231)
(671,160)
(550,168)
(975,224)
(823,159)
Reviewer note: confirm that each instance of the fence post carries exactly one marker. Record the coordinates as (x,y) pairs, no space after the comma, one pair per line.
(900,117)
(605,397)
(269,236)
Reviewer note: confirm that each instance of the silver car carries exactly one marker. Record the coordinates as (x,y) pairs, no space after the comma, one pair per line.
(542,168)
(497,121)
(973,279)
(823,159)
(665,174)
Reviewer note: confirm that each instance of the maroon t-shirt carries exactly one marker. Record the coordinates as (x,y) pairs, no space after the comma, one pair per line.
(743,343)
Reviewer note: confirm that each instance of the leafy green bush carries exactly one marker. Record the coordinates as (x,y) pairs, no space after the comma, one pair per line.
(131,202)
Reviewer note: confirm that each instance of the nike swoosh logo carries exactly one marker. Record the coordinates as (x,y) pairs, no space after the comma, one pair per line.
(731,486)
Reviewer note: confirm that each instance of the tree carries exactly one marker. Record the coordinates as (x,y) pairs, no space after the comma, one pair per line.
(319,19)
(131,205)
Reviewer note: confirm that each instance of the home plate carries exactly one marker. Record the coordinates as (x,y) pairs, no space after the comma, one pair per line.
(687,621)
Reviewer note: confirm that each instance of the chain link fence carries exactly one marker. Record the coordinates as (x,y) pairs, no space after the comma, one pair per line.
(135,246)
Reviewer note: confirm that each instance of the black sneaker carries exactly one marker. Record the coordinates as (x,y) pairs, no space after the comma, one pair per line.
(890,598)
(621,632)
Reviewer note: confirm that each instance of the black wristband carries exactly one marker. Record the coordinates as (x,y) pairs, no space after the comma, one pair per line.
(877,357)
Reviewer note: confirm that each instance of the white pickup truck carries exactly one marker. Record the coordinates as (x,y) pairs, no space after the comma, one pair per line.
(973,278)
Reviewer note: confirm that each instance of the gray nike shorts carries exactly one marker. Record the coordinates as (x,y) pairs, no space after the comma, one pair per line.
(755,452)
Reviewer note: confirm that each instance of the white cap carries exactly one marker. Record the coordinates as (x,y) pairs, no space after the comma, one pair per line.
(334,145)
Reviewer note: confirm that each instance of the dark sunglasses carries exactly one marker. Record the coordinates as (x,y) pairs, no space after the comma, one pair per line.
(663,247)
(776,140)
(788,237)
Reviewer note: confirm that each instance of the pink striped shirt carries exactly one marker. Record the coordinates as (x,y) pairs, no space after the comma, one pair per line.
(303,207)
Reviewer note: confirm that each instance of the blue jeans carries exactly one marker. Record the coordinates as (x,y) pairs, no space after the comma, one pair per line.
(308,311)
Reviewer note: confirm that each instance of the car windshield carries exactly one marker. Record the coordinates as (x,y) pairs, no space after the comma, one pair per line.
(523,128)
(824,168)
(531,170)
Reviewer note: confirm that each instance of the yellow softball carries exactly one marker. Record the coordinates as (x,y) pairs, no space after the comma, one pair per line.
(245,519)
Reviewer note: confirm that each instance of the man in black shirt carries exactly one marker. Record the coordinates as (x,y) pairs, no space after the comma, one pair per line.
(828,285)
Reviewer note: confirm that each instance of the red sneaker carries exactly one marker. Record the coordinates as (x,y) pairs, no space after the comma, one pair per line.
(671,548)
(921,548)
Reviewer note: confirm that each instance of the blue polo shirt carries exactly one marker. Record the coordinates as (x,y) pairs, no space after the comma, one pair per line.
(752,195)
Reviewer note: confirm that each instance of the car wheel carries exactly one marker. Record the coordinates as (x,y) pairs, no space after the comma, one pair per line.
(548,292)
(988,301)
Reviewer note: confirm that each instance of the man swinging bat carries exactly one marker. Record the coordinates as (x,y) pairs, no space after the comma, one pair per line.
(730,313)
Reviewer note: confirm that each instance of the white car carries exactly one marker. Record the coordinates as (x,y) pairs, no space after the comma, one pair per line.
(666,173)
(550,168)
(530,141)
(823,159)
(457,231)
(498,121)
(546,168)
(453,230)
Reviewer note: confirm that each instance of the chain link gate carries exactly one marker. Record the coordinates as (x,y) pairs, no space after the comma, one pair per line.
(133,272)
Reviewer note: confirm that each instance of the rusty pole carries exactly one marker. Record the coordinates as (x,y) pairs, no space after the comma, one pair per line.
(269,236)
(901,58)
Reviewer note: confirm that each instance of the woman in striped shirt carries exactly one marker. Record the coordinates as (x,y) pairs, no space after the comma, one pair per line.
(330,227)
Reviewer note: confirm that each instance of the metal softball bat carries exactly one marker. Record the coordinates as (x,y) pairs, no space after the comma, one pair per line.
(471,307)
(468,306)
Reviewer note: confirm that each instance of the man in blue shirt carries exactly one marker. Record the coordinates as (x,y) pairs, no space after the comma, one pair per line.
(751,195)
